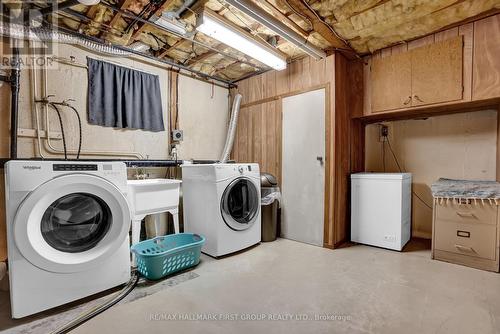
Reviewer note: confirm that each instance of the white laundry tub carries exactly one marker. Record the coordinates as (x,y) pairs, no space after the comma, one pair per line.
(152,196)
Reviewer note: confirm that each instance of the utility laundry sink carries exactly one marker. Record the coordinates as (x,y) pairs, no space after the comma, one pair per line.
(151,196)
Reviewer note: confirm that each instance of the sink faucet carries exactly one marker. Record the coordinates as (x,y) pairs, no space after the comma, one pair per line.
(141,174)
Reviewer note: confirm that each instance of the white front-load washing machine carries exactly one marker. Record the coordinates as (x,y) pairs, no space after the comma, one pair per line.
(67,231)
(222,203)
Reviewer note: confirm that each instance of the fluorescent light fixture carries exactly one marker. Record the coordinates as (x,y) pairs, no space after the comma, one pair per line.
(169,24)
(225,32)
(89,2)
(251,9)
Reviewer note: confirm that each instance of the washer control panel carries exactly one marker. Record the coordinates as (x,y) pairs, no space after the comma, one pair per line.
(74,167)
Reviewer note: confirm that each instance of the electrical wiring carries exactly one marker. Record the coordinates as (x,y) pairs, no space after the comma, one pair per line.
(401,170)
(139,16)
(326,24)
(383,155)
(305,18)
(394,155)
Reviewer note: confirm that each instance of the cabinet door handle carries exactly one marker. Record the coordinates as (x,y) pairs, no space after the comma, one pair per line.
(407,101)
(465,214)
(464,249)
(418,98)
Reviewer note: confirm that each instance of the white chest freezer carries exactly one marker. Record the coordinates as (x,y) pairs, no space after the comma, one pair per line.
(381,209)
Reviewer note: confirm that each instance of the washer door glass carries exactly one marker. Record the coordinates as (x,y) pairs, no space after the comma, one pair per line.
(76,222)
(240,204)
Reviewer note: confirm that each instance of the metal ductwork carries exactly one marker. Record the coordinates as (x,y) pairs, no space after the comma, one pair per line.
(260,15)
(231,133)
(16,31)
(58,6)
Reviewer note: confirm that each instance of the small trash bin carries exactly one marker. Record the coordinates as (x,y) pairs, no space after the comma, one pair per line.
(270,202)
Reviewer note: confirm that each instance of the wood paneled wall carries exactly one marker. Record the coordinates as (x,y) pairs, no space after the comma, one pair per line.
(260,126)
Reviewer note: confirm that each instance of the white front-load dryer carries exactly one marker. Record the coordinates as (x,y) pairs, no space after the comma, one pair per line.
(222,203)
(67,231)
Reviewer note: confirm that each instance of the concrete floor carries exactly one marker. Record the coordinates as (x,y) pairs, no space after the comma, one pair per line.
(357,289)
(51,320)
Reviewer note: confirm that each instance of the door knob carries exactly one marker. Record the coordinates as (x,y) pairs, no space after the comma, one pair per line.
(320,159)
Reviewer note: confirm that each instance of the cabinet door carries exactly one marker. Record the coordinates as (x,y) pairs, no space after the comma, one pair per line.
(437,72)
(486,71)
(391,82)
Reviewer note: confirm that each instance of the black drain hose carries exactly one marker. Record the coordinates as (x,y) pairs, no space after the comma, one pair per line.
(101,308)
(80,127)
(62,129)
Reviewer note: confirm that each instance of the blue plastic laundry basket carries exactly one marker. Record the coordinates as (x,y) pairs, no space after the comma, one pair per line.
(165,255)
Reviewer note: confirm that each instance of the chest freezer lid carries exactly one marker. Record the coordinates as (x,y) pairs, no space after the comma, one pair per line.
(381,176)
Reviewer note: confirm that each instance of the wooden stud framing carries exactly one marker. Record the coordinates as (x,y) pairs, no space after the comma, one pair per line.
(319,26)
(158,12)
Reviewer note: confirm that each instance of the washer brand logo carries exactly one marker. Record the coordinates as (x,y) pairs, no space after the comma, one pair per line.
(32,167)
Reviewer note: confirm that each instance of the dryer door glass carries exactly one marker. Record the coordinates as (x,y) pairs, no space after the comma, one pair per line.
(76,222)
(240,204)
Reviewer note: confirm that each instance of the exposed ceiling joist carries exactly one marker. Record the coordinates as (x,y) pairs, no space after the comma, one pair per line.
(170,48)
(90,14)
(201,57)
(326,25)
(266,4)
(124,5)
(319,25)
(158,12)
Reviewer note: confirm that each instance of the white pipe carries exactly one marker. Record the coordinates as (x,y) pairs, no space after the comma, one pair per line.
(49,146)
(16,31)
(232,129)
(34,95)
(55,150)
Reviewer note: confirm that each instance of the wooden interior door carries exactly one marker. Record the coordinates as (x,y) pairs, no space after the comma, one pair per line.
(437,72)
(391,82)
(303,167)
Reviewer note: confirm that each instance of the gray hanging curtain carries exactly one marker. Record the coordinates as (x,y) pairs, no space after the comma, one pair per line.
(123,98)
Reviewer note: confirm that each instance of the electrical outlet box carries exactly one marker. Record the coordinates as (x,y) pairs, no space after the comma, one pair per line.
(384,132)
(177,135)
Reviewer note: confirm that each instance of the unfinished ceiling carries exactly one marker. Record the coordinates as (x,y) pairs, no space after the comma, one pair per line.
(359,27)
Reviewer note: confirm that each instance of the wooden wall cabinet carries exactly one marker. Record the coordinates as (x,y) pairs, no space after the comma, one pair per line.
(426,75)
(391,82)
(436,73)
(486,68)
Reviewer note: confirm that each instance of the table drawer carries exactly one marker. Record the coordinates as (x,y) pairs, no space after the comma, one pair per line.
(477,240)
(467,213)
